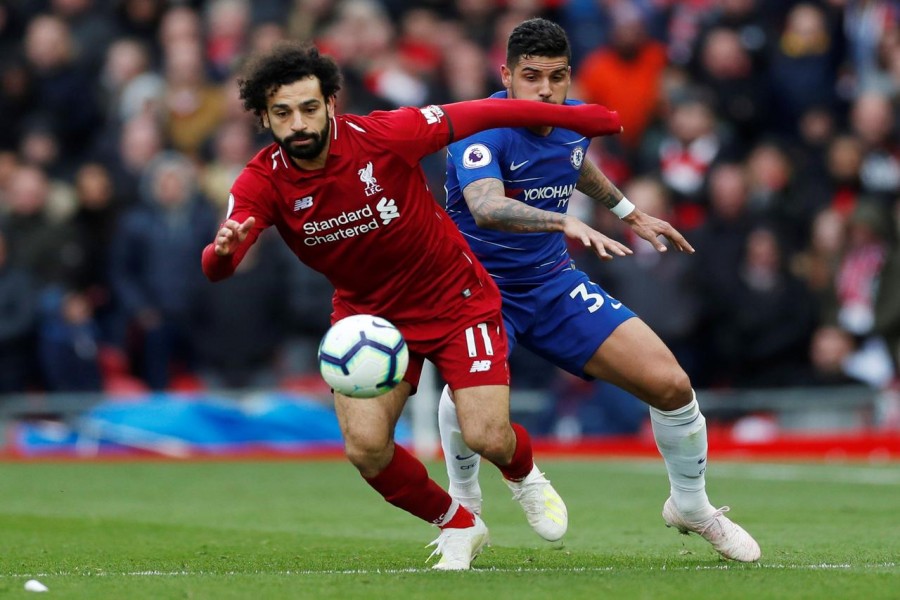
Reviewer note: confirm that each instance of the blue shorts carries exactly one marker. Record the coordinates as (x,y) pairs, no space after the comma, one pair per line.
(563,319)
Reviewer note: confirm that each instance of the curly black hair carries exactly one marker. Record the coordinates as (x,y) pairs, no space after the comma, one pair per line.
(537,37)
(284,64)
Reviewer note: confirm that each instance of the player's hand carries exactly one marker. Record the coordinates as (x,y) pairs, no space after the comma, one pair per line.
(650,228)
(604,247)
(231,235)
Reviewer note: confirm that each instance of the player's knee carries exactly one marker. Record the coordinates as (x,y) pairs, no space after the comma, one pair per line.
(367,453)
(675,391)
(496,442)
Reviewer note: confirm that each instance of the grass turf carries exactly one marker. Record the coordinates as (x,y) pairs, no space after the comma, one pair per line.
(315,530)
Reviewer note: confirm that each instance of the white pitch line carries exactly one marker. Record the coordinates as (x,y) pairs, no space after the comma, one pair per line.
(854,475)
(716,567)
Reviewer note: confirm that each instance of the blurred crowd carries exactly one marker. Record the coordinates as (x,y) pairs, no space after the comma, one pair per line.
(765,130)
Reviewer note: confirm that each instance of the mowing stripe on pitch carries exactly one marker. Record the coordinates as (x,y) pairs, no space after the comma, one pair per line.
(852,475)
(714,567)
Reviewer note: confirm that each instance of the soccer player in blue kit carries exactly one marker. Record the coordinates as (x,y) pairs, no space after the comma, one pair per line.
(503,183)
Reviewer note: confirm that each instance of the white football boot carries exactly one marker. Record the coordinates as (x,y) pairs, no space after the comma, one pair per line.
(545,510)
(459,547)
(728,538)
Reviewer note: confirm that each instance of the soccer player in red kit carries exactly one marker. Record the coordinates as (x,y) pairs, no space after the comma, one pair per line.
(348,196)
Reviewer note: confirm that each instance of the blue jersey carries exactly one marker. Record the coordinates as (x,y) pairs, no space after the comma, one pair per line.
(549,307)
(540,171)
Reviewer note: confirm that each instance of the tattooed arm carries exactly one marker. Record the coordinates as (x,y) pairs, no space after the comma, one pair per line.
(593,183)
(491,209)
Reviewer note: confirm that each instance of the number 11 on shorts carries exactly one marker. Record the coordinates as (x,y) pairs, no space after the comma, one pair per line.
(471,340)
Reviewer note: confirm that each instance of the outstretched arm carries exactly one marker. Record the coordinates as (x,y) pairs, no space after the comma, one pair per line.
(592,182)
(492,209)
(467,118)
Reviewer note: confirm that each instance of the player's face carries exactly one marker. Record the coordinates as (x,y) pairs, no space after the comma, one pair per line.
(538,78)
(300,119)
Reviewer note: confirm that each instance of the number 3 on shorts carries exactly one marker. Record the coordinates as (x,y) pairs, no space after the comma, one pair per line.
(582,292)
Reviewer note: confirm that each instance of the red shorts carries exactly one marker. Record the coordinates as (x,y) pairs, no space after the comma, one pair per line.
(468,348)
(469,357)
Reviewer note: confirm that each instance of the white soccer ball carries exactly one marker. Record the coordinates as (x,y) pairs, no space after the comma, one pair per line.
(363,356)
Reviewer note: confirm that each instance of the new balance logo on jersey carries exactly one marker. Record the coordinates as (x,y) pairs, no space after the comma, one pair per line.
(304,202)
(365,175)
(387,210)
(480,366)
(432,114)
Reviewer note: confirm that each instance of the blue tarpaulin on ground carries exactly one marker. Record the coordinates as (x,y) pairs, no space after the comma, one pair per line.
(182,427)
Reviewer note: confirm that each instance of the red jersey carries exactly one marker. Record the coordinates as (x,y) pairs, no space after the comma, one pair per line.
(367,220)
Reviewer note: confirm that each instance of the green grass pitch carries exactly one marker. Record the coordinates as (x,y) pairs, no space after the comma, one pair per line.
(315,530)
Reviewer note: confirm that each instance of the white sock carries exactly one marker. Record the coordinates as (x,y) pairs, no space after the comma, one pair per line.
(681,438)
(462,462)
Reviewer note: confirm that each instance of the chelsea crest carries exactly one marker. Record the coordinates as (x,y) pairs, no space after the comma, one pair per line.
(577,157)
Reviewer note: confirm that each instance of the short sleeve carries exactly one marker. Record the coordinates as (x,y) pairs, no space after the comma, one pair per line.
(477,157)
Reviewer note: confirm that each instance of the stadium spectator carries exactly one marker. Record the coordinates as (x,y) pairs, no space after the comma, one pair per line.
(720,243)
(871,28)
(740,93)
(873,122)
(778,194)
(870,240)
(58,79)
(92,28)
(16,99)
(683,151)
(830,355)
(153,265)
(887,300)
(625,76)
(193,105)
(804,65)
(39,146)
(18,319)
(140,19)
(771,314)
(844,162)
(232,146)
(130,153)
(817,264)
(263,324)
(94,222)
(660,287)
(394,266)
(307,18)
(750,20)
(68,342)
(128,60)
(226,23)
(39,235)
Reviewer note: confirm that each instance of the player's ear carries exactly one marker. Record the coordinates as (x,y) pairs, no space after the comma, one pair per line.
(330,106)
(506,76)
(264,117)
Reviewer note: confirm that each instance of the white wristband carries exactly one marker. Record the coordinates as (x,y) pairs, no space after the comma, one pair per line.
(623,208)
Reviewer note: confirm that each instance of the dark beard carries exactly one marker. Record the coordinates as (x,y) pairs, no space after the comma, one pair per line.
(305,152)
